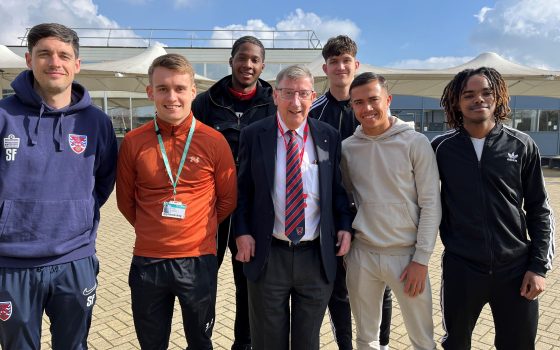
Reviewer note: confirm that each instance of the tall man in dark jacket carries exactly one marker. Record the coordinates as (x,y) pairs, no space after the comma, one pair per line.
(497,226)
(231,104)
(334,108)
(57,169)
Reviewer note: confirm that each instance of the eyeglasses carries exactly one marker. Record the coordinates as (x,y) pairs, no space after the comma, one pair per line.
(288,94)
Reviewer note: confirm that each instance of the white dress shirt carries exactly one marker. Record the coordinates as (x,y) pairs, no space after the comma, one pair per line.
(310,176)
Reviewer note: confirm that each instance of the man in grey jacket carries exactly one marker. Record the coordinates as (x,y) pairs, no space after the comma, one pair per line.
(391,172)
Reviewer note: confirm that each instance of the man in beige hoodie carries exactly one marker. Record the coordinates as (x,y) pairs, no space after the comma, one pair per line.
(391,172)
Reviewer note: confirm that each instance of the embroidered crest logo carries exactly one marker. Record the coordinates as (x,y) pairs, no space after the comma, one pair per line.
(78,143)
(5,310)
(512,157)
(194,159)
(11,144)
(299,230)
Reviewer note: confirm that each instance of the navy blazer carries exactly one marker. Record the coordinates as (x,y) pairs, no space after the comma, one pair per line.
(255,210)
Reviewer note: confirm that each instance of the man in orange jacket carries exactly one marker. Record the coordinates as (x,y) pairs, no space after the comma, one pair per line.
(176,181)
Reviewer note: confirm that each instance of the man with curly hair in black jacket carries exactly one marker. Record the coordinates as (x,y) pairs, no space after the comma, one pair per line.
(231,104)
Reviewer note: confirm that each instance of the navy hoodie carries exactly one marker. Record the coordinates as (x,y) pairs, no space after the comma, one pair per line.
(57,168)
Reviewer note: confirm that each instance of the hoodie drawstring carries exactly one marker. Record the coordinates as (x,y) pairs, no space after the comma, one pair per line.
(35,134)
(58,132)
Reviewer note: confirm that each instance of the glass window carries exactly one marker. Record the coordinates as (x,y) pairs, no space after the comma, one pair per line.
(434,120)
(98,102)
(198,68)
(409,115)
(548,120)
(216,71)
(118,111)
(525,119)
(123,118)
(143,111)
(6,93)
(271,71)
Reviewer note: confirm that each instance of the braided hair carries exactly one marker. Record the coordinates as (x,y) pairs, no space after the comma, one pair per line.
(452,95)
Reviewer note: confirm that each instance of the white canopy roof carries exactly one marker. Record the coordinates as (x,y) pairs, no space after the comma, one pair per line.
(10,61)
(321,82)
(129,74)
(521,80)
(10,66)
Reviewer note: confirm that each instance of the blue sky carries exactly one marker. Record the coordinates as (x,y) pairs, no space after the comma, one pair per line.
(398,33)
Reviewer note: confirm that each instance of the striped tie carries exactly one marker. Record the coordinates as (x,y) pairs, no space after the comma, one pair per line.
(295,205)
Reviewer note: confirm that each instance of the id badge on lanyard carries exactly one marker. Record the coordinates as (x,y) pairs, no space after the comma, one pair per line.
(174,209)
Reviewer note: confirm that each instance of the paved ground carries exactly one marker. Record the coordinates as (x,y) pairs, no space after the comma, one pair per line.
(112,326)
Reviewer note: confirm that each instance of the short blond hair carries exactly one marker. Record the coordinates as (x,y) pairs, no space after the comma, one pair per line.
(174,62)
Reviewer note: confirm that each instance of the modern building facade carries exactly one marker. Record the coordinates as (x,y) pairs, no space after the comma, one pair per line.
(536,116)
(209,52)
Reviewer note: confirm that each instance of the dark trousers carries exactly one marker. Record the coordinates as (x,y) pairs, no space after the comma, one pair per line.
(287,303)
(465,291)
(154,284)
(66,292)
(341,315)
(241,329)
(386,313)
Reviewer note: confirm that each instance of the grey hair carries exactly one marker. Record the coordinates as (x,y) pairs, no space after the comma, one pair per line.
(294,72)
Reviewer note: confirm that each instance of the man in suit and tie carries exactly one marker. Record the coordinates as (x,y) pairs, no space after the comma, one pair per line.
(292,217)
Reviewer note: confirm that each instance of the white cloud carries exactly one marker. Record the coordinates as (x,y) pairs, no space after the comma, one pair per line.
(18,15)
(431,63)
(225,36)
(527,31)
(481,16)
(324,28)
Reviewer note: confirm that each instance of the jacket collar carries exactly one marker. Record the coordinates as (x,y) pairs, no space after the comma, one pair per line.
(495,130)
(333,99)
(168,129)
(219,92)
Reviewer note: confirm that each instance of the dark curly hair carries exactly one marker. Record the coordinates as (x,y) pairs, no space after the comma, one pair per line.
(339,45)
(246,39)
(452,95)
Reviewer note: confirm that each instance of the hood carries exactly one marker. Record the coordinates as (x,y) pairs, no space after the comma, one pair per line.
(23,87)
(397,126)
(219,95)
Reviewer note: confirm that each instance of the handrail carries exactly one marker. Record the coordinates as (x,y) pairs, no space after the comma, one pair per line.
(221,38)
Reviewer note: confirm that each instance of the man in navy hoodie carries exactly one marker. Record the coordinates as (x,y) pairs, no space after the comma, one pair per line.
(57,168)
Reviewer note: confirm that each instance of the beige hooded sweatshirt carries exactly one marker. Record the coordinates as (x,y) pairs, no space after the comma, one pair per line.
(394,181)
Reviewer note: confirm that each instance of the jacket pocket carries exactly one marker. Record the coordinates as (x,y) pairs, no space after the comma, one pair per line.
(387,223)
(5,212)
(44,228)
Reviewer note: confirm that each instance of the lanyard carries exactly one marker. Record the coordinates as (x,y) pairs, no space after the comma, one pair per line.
(305,133)
(183,157)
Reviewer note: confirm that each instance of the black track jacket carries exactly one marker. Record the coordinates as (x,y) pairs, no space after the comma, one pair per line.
(496,213)
(214,107)
(337,114)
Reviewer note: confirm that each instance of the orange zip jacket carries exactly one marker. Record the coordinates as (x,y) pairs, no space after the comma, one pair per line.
(207,185)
